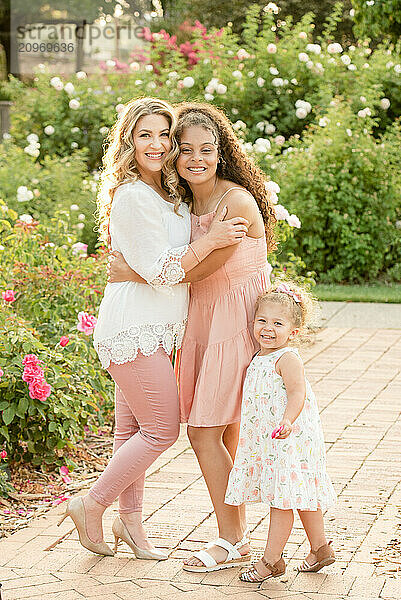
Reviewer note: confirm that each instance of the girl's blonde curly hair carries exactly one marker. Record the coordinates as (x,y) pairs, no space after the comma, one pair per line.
(304,309)
(234,164)
(119,164)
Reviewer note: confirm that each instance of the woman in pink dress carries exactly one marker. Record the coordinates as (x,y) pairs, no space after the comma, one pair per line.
(218,178)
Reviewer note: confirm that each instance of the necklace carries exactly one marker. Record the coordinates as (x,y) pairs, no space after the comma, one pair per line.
(198,217)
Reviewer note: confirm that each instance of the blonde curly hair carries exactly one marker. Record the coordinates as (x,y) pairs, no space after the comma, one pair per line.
(234,164)
(304,314)
(119,164)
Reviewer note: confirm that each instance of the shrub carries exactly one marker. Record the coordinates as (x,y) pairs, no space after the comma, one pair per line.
(51,286)
(345,186)
(44,188)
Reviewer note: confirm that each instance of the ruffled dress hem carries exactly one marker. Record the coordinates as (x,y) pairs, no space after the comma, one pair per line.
(146,338)
(286,489)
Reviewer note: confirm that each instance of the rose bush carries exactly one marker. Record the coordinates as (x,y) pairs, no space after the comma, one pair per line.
(52,385)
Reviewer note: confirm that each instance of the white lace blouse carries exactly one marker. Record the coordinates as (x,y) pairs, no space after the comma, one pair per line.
(153,239)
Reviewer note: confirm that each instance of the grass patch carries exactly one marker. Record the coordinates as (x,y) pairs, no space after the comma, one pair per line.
(375,292)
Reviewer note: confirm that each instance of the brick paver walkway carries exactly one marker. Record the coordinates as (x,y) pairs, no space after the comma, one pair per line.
(356,375)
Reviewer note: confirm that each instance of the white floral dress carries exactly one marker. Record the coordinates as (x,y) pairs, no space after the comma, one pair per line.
(286,474)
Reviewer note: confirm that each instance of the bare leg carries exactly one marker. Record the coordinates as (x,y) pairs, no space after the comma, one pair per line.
(312,521)
(216,463)
(281,522)
(230,440)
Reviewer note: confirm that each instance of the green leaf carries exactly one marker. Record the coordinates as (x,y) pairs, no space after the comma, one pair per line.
(9,414)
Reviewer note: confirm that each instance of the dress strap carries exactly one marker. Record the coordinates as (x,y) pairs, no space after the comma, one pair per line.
(229,190)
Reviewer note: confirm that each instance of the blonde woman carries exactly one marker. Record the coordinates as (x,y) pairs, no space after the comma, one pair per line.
(141,216)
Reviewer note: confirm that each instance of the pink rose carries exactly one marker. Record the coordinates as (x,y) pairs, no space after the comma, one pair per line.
(39,390)
(1,373)
(64,474)
(86,323)
(64,340)
(8,296)
(32,373)
(31,360)
(3,454)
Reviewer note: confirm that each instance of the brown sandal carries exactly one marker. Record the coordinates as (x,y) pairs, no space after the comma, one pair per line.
(252,575)
(324,556)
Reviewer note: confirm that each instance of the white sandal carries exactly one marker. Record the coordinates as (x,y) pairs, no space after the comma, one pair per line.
(233,559)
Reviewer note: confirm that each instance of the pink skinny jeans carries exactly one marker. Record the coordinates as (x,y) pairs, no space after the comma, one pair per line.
(147,423)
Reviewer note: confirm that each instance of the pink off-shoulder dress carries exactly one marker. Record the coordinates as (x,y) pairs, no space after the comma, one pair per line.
(218,343)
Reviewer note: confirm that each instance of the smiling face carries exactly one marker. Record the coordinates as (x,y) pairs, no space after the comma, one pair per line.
(273,326)
(198,159)
(152,143)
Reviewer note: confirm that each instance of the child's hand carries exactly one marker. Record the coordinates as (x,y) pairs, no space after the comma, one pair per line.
(283,430)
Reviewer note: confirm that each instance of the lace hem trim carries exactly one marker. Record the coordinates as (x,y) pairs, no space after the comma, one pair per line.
(171,271)
(146,338)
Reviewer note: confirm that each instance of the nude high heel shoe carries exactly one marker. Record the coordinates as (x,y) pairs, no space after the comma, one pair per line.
(121,532)
(76,510)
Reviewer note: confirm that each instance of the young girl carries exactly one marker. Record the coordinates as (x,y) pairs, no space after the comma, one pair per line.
(281,456)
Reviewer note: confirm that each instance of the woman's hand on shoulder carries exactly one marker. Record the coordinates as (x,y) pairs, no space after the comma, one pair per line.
(226,232)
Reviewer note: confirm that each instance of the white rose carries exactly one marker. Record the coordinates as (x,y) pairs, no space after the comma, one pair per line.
(110,63)
(251,73)
(32,151)
(119,108)
(81,217)
(279,140)
(352,12)
(323,122)
(260,126)
(261,146)
(235,111)
(32,138)
(75,129)
(346,59)
(81,75)
(80,225)
(243,54)
(362,99)
(349,132)
(271,7)
(103,130)
(315,48)
(277,82)
(26,218)
(188,82)
(272,187)
(239,125)
(69,88)
(237,74)
(74,104)
(273,71)
(74,145)
(397,69)
(301,113)
(294,81)
(74,207)
(260,81)
(134,66)
(151,85)
(56,83)
(385,103)
(271,48)
(49,130)
(221,88)
(351,67)
(173,75)
(309,64)
(138,82)
(303,35)
(334,48)
(209,97)
(293,221)
(149,68)
(270,128)
(303,57)
(280,212)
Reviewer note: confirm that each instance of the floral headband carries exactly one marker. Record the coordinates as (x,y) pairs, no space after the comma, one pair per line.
(284,289)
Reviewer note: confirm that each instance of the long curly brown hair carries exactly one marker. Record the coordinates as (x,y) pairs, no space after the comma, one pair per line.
(234,164)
